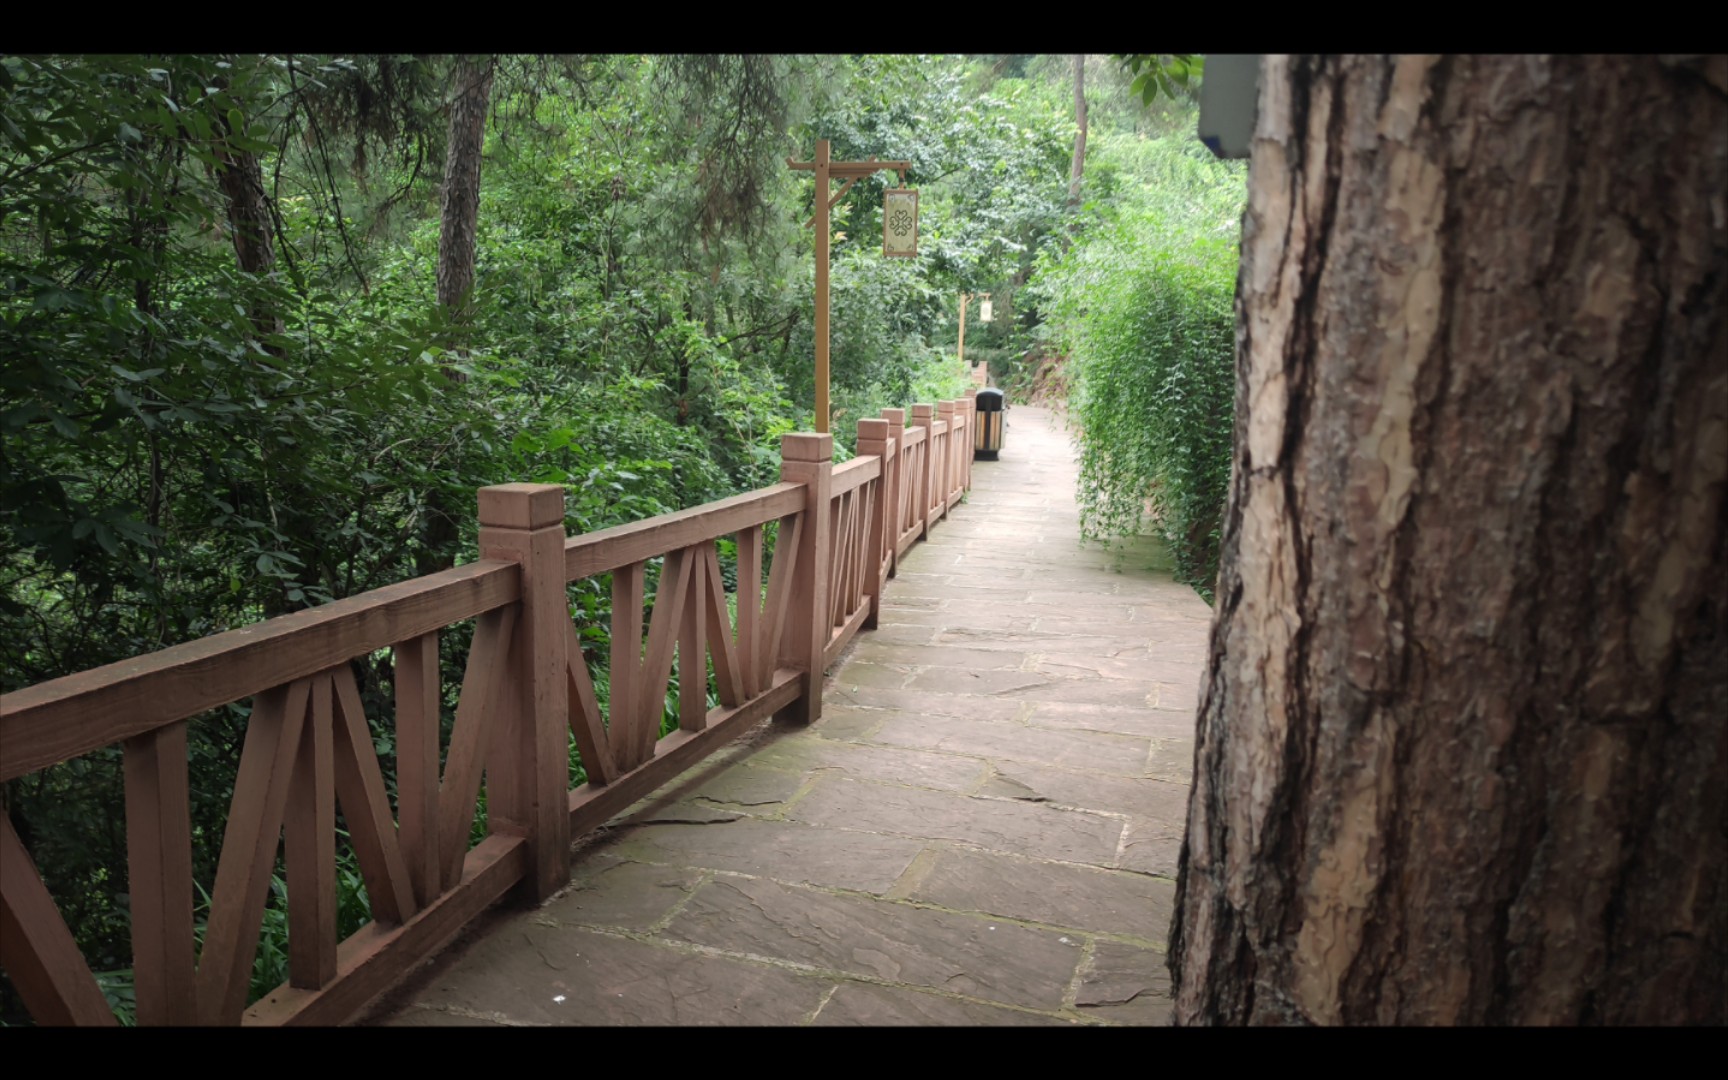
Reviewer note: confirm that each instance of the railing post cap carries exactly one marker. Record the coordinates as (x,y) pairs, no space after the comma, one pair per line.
(944,406)
(894,416)
(806,446)
(521,506)
(872,428)
(923,410)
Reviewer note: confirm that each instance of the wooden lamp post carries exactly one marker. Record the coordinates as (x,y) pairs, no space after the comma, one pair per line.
(849,171)
(965,298)
(985,314)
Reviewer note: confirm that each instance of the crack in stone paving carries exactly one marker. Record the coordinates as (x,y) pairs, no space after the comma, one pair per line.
(831,974)
(686,821)
(544,959)
(820,1005)
(736,802)
(475,1014)
(660,924)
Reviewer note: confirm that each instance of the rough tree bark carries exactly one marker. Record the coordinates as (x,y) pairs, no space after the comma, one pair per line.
(1461,754)
(250,227)
(469,100)
(1078,170)
(471,96)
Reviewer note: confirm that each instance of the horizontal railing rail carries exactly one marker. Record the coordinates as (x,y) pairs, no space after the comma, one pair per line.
(64,718)
(598,552)
(527,696)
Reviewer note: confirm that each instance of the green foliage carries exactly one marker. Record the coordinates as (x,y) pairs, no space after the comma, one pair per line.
(190,447)
(1171,76)
(1143,305)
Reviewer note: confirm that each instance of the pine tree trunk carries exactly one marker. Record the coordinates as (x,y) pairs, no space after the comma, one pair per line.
(1461,753)
(241,178)
(471,97)
(251,228)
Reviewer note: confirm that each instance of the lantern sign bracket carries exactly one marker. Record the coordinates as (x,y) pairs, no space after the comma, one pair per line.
(834,172)
(827,170)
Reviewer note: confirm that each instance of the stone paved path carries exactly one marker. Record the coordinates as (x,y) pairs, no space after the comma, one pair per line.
(981,829)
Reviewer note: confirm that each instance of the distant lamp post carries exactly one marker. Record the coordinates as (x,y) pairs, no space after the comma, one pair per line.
(827,170)
(986,312)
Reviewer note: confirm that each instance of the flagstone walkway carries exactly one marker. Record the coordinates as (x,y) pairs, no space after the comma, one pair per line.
(982,828)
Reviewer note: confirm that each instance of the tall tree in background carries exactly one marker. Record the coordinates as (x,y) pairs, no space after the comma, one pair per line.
(1462,756)
(1079,169)
(241,179)
(471,95)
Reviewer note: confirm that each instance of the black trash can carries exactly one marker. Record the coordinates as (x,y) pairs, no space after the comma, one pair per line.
(988,439)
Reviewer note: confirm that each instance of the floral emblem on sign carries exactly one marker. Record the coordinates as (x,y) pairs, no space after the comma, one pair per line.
(900,221)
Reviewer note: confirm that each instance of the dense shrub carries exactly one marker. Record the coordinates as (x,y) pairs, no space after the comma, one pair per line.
(1143,305)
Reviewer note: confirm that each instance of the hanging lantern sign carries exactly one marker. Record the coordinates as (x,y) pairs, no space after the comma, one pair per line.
(986,312)
(900,222)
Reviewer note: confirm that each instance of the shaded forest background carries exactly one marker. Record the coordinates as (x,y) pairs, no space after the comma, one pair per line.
(248,364)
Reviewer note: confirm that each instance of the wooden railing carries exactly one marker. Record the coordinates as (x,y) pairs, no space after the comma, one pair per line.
(525,695)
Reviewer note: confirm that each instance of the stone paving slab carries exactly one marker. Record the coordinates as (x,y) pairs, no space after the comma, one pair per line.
(886,764)
(928,704)
(1055,894)
(1171,760)
(1134,669)
(967,954)
(1039,642)
(895,614)
(1151,847)
(843,718)
(610,892)
(418,1016)
(750,785)
(903,634)
(1090,789)
(940,655)
(959,680)
(1149,723)
(545,975)
(1126,984)
(981,830)
(995,824)
(866,1005)
(1123,755)
(787,851)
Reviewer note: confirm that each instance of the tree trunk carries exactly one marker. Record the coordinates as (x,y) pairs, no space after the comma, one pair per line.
(1079,168)
(241,179)
(251,227)
(1461,752)
(471,96)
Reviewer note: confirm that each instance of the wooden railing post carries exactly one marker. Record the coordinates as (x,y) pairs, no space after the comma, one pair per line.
(873,439)
(808,459)
(963,463)
(958,449)
(970,404)
(971,434)
(894,485)
(945,469)
(159,867)
(528,760)
(923,416)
